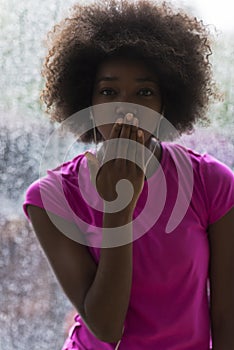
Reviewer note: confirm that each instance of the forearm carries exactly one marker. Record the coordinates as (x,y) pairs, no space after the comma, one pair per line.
(107,300)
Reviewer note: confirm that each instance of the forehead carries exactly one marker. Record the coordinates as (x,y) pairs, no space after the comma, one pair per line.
(119,65)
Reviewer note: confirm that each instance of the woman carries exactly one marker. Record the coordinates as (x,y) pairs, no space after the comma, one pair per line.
(133,65)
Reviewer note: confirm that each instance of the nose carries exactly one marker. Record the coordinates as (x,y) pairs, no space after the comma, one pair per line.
(123,108)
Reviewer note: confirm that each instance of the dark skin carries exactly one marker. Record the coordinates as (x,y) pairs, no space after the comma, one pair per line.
(100,292)
(125,88)
(110,280)
(125,80)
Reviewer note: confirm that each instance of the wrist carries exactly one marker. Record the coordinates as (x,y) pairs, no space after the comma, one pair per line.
(117,219)
(117,229)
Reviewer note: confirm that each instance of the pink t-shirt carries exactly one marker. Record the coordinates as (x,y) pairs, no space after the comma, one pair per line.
(169,302)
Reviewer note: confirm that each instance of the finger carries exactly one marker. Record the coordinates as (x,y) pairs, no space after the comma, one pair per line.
(132,149)
(112,145)
(140,154)
(125,133)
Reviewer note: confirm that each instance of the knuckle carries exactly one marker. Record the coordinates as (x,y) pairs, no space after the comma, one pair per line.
(117,127)
(134,129)
(127,126)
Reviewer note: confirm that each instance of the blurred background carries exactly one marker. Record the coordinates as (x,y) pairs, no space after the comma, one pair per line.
(34,312)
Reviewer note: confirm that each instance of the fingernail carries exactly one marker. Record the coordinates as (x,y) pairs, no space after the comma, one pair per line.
(119,121)
(140,133)
(129,116)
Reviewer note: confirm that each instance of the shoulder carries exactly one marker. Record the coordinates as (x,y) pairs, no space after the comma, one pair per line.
(218,180)
(51,191)
(207,165)
(217,177)
(53,177)
(213,180)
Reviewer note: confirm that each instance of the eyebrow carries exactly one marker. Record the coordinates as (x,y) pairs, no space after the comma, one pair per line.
(140,80)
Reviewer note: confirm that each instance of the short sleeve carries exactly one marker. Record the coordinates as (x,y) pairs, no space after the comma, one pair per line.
(47,193)
(218,184)
(32,197)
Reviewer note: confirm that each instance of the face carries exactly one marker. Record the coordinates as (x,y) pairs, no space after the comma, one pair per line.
(126,80)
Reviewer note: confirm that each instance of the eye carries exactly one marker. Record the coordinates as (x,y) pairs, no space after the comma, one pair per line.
(107,92)
(145,92)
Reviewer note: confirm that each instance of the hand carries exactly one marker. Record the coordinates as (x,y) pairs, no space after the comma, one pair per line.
(106,176)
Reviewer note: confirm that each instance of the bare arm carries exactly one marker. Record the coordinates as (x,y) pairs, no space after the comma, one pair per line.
(107,300)
(99,293)
(221,239)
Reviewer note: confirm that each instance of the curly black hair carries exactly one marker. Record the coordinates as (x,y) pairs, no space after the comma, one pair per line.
(174,44)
